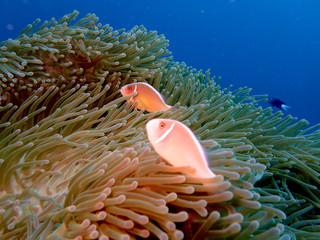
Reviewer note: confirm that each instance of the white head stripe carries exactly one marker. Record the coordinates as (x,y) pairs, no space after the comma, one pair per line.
(135,90)
(166,133)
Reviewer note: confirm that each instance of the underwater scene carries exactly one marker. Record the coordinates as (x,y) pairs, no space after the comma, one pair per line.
(159,120)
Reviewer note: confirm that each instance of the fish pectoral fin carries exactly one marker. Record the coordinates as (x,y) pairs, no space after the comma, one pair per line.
(189,170)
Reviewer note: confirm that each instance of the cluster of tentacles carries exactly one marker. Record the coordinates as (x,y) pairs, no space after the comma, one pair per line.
(75,161)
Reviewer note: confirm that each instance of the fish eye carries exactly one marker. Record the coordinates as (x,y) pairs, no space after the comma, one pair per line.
(162,125)
(129,88)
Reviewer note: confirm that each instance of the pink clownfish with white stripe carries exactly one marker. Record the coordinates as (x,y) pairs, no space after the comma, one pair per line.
(149,98)
(178,145)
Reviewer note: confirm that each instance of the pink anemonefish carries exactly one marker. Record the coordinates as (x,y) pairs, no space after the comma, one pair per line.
(178,145)
(149,98)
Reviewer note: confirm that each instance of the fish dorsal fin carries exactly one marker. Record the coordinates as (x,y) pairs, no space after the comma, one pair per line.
(165,134)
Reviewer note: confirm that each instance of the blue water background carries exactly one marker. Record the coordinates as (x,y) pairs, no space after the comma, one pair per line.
(270,46)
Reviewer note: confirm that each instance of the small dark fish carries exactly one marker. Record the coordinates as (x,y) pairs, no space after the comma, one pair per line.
(274,102)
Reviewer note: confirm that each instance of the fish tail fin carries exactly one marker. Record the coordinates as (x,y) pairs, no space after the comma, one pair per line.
(285,107)
(168,107)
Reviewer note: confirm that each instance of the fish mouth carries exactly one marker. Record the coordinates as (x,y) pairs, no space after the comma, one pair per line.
(122,91)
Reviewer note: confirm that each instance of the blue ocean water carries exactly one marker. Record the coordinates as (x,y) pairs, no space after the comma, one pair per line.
(270,46)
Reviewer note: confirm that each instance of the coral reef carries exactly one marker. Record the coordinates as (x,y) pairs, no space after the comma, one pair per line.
(75,161)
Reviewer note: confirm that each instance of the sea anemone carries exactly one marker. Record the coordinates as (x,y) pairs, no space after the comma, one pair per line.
(75,161)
